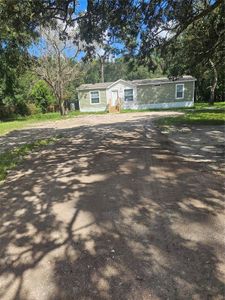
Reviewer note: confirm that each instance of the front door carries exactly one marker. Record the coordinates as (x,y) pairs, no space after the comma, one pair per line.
(114,100)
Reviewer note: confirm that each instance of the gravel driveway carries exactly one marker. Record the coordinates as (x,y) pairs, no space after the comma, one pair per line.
(113,210)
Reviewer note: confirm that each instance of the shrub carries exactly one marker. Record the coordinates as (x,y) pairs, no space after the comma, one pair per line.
(33,109)
(42,96)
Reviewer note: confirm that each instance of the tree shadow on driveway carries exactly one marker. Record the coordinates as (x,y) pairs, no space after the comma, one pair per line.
(112,212)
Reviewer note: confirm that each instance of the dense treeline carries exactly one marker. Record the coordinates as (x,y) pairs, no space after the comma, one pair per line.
(31,95)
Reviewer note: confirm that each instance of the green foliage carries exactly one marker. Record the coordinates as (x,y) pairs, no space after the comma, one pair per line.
(191,53)
(11,158)
(71,90)
(30,96)
(140,27)
(16,34)
(119,68)
(91,72)
(17,103)
(42,96)
(19,24)
(133,26)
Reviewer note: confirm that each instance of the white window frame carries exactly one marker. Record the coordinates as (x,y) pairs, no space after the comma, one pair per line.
(182,84)
(124,95)
(94,91)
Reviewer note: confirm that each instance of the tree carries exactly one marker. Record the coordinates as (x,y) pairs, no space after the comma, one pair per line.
(18,23)
(139,27)
(19,28)
(142,25)
(143,20)
(54,66)
(200,50)
(103,55)
(119,68)
(16,100)
(91,71)
(42,96)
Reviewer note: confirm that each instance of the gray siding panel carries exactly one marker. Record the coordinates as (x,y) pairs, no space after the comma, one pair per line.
(163,93)
(85,104)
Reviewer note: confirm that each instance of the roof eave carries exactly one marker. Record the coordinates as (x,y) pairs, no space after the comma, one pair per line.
(117,81)
(166,82)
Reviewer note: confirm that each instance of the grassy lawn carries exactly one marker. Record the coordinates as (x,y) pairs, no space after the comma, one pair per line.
(7,126)
(217,105)
(201,114)
(195,117)
(11,158)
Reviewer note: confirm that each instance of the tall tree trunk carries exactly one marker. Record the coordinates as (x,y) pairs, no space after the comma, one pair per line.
(214,83)
(102,70)
(61,107)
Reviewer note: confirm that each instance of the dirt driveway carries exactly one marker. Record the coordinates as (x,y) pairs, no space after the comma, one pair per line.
(66,126)
(114,210)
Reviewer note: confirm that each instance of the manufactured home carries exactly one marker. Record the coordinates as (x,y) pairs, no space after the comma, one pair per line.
(156,93)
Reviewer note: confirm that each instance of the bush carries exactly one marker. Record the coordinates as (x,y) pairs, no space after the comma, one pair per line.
(6,112)
(33,109)
(42,96)
(21,109)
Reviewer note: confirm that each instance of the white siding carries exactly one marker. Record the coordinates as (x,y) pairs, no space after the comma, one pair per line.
(160,105)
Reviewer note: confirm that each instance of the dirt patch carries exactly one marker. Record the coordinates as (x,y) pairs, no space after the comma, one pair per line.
(112,211)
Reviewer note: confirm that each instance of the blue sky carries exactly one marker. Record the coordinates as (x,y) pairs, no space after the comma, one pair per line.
(33,50)
(82,5)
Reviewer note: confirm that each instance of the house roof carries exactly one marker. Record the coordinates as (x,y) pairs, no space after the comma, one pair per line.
(91,86)
(153,81)
(162,80)
(128,82)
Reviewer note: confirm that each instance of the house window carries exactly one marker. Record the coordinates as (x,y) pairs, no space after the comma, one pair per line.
(179,91)
(95,97)
(128,95)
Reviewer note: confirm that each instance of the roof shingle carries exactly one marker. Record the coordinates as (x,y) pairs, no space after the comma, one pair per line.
(150,81)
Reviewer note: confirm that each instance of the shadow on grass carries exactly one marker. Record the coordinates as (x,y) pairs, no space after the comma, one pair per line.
(111,212)
(11,158)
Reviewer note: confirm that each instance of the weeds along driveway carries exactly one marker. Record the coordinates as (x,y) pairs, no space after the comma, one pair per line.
(112,212)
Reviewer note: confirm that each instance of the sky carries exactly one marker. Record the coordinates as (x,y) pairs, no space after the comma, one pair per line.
(34,49)
(82,5)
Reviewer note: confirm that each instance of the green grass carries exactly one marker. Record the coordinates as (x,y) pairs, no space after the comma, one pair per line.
(11,158)
(217,105)
(19,123)
(201,113)
(194,118)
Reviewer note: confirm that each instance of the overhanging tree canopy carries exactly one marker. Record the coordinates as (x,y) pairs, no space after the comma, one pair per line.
(140,26)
